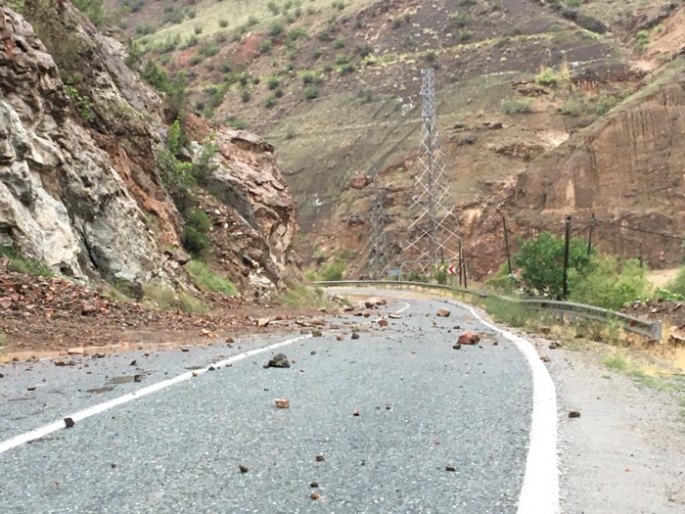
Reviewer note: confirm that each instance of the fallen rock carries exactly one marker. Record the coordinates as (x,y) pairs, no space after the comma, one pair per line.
(317,322)
(75,351)
(443,313)
(320,457)
(395,316)
(339,338)
(544,358)
(449,468)
(356,413)
(348,308)
(180,256)
(279,361)
(68,422)
(554,345)
(243,469)
(185,350)
(456,347)
(230,340)
(355,335)
(314,484)
(468,337)
(574,414)
(367,314)
(383,322)
(317,333)
(263,322)
(314,496)
(88,308)
(282,403)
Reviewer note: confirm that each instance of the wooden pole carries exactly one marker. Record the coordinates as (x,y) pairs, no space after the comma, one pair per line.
(567,245)
(506,242)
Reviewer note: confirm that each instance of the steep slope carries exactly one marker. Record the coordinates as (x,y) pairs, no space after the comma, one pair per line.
(80,188)
(335,87)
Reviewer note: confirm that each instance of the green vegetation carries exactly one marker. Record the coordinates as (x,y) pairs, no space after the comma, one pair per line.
(206,280)
(641,41)
(311,92)
(415,276)
(298,295)
(548,77)
(460,19)
(605,103)
(333,271)
(20,264)
(517,106)
(541,260)
(165,298)
(509,313)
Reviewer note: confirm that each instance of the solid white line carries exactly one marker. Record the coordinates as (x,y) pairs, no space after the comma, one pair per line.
(540,491)
(97,409)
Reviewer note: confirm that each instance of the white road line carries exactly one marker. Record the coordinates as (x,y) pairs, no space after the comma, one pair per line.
(406,306)
(540,491)
(97,409)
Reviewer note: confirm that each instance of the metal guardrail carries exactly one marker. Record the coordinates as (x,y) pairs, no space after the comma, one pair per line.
(647,328)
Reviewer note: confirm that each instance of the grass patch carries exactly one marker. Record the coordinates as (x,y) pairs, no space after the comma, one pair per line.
(164,298)
(509,313)
(305,296)
(517,106)
(3,339)
(24,265)
(206,280)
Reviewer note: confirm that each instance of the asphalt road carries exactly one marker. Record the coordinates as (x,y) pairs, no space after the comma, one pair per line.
(422,407)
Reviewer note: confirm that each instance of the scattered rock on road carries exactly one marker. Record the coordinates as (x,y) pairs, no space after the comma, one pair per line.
(339,338)
(554,345)
(355,335)
(279,361)
(544,358)
(263,322)
(316,333)
(243,469)
(456,347)
(443,313)
(315,496)
(383,322)
(68,422)
(574,414)
(356,413)
(449,468)
(468,337)
(320,457)
(282,403)
(395,316)
(314,484)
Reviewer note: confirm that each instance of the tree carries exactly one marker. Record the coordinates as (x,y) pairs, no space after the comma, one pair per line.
(541,260)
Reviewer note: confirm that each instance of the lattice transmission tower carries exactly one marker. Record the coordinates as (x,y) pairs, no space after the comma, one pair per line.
(378,259)
(433,236)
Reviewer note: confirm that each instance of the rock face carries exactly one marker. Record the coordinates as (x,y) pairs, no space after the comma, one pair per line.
(79,186)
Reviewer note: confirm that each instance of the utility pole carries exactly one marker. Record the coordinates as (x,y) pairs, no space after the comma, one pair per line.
(567,245)
(506,242)
(639,250)
(433,234)
(592,230)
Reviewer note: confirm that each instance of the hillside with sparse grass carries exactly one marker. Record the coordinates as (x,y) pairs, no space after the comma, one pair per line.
(335,85)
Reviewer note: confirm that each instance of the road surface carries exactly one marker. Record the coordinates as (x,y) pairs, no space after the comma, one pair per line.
(173,442)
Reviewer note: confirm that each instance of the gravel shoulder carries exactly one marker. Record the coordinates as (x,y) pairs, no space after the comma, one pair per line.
(626,453)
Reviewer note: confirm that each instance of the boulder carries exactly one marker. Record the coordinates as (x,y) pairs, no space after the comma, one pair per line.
(468,338)
(279,361)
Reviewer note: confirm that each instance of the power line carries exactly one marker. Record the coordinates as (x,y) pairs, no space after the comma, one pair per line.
(642,230)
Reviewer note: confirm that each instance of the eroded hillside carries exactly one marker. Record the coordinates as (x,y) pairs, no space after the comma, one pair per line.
(546,108)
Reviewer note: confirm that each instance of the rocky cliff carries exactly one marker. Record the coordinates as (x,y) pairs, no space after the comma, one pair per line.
(79,186)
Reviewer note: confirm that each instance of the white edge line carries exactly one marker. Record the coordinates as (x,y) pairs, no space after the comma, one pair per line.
(97,409)
(540,490)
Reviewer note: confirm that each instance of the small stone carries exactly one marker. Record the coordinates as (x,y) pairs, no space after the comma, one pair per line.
(314,484)
(133,363)
(282,403)
(194,373)
(355,335)
(367,314)
(243,469)
(320,457)
(263,322)
(574,414)
(449,468)
(60,363)
(75,351)
(456,347)
(339,338)
(313,352)
(185,350)
(443,313)
(395,316)
(68,422)
(317,333)
(137,378)
(294,361)
(279,361)
(356,413)
(314,496)
(113,465)
(554,345)
(383,322)
(317,322)
(544,358)
(230,340)
(211,368)
(33,388)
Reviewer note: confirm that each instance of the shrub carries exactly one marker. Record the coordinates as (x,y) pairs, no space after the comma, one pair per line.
(541,260)
(275,29)
(245,96)
(346,69)
(167,299)
(333,271)
(311,92)
(275,10)
(641,41)
(607,283)
(605,103)
(208,50)
(571,107)
(397,23)
(548,77)
(144,29)
(272,83)
(206,280)
(308,78)
(265,47)
(465,35)
(517,106)
(467,2)
(366,94)
(237,123)
(270,102)
(252,21)
(278,93)
(195,60)
(509,313)
(297,33)
(198,29)
(460,19)
(223,23)
(339,43)
(415,276)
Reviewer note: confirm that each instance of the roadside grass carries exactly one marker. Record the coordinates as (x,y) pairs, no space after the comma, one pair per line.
(3,340)
(206,280)
(298,295)
(164,298)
